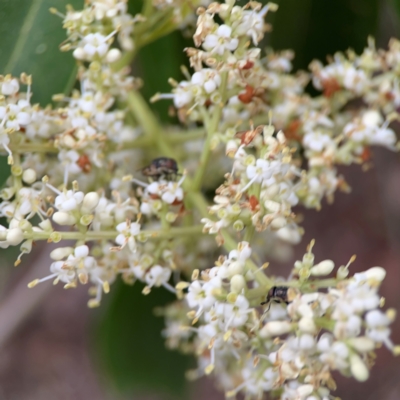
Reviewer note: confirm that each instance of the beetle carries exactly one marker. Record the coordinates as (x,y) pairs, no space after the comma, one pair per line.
(161,167)
(278,294)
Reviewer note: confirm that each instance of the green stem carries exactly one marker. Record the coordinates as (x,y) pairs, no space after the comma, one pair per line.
(109,235)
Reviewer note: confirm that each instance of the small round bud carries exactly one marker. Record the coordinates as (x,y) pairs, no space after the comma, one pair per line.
(46,225)
(323,268)
(90,202)
(376,273)
(307,325)
(292,236)
(15,236)
(278,223)
(238,283)
(63,218)
(236,268)
(358,368)
(304,390)
(61,253)
(113,55)
(362,344)
(79,53)
(29,176)
(275,328)
(272,206)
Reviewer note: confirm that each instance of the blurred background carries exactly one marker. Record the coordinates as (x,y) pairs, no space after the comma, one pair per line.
(53,347)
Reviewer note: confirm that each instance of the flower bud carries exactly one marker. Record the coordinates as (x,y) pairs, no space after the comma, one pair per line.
(323,268)
(90,202)
(275,328)
(307,325)
(63,218)
(278,223)
(362,344)
(46,225)
(236,268)
(304,390)
(61,253)
(358,368)
(79,53)
(289,235)
(238,283)
(113,55)
(14,236)
(376,273)
(3,233)
(272,206)
(29,176)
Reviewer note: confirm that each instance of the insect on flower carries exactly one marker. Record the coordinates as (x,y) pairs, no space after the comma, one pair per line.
(161,167)
(277,294)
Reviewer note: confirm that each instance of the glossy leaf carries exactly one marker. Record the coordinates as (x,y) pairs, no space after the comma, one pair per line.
(131,346)
(317,28)
(29,42)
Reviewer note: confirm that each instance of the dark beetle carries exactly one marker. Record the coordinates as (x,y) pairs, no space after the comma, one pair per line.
(161,167)
(278,294)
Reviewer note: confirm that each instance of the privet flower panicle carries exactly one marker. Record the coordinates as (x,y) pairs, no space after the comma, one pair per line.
(320,331)
(251,128)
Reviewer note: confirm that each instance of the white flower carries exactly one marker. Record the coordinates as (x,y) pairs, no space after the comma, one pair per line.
(158,276)
(69,200)
(69,160)
(10,87)
(62,272)
(127,234)
(201,295)
(317,141)
(182,95)
(95,43)
(220,41)
(378,327)
(383,137)
(172,193)
(252,24)
(355,80)
(207,78)
(234,315)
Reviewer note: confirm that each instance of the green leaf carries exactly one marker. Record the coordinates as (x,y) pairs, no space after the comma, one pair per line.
(316,28)
(131,348)
(29,42)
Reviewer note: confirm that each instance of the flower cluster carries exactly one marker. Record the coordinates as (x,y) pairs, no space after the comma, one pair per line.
(255,139)
(293,346)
